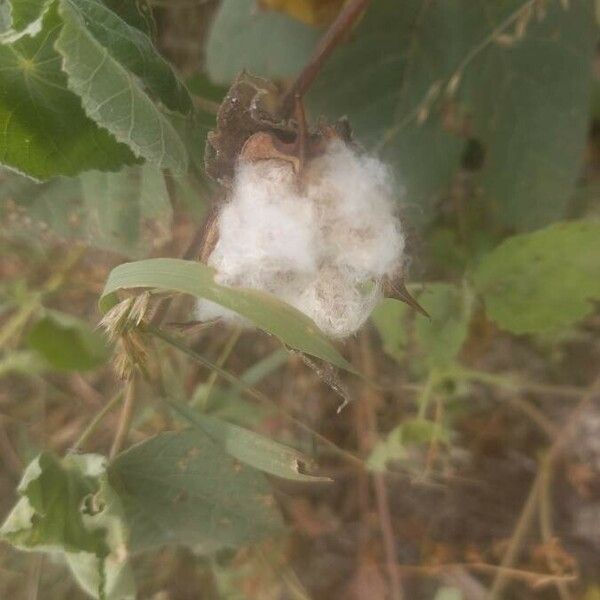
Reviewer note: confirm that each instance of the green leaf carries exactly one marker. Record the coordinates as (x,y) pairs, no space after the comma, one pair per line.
(265,311)
(45,132)
(22,17)
(127,212)
(443,70)
(136,13)
(534,128)
(542,281)
(67,509)
(251,448)
(390,319)
(437,340)
(134,52)
(228,404)
(396,445)
(181,488)
(49,512)
(104,512)
(67,343)
(244,37)
(441,337)
(105,60)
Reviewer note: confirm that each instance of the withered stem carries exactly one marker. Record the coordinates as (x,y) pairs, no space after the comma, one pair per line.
(302,131)
(337,31)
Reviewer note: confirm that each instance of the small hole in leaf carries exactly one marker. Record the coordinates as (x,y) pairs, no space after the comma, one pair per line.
(473,156)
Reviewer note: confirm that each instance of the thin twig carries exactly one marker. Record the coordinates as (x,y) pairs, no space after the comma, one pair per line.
(528,512)
(545,515)
(221,360)
(336,32)
(370,399)
(125,417)
(531,578)
(89,430)
(34,576)
(568,391)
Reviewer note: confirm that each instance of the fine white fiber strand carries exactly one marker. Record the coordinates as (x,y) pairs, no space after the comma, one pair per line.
(323,248)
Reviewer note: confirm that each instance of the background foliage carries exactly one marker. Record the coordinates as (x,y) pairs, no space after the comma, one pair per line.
(227,462)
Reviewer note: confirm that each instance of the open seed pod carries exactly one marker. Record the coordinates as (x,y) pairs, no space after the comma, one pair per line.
(307,216)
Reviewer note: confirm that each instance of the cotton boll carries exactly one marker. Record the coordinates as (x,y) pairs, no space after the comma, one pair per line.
(322,244)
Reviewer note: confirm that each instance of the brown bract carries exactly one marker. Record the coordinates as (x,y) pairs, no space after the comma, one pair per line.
(250,127)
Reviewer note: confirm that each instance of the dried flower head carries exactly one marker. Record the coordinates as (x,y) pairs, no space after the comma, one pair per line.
(122,325)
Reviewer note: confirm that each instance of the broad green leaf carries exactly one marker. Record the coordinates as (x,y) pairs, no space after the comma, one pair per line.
(390,318)
(5,16)
(136,13)
(67,509)
(21,17)
(182,488)
(48,514)
(99,68)
(67,343)
(441,337)
(542,281)
(413,73)
(243,37)
(263,310)
(45,132)
(134,52)
(127,212)
(529,103)
(104,512)
(251,448)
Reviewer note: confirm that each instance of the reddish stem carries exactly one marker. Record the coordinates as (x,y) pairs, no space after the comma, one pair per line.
(345,20)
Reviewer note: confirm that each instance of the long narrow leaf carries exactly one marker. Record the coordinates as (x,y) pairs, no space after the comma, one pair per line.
(263,310)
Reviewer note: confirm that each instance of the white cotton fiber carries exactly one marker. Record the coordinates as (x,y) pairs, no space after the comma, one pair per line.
(357,206)
(323,246)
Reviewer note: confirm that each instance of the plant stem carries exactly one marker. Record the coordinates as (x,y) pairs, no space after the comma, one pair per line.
(545,516)
(125,418)
(17,322)
(426,394)
(254,393)
(19,319)
(221,360)
(89,430)
(508,382)
(337,31)
(371,399)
